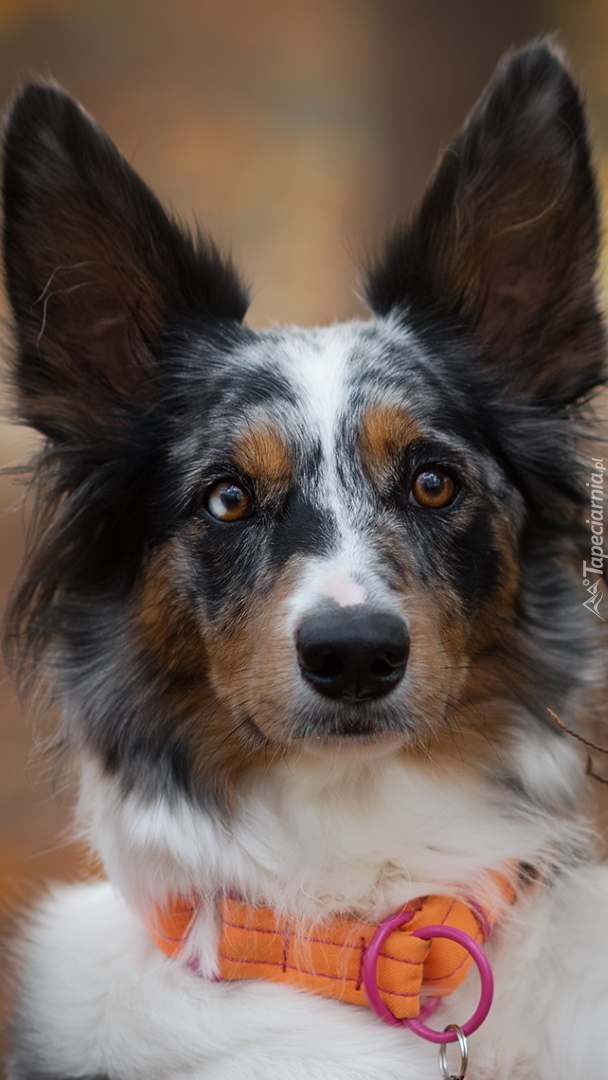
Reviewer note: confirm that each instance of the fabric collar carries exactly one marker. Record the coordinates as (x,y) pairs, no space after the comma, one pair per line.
(328,957)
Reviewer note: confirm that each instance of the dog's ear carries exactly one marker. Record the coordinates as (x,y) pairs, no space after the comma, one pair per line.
(95,269)
(505,239)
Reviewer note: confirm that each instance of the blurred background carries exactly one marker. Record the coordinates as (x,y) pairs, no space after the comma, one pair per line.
(295,131)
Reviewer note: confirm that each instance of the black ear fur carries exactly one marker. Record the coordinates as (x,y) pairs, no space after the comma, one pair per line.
(505,241)
(94,267)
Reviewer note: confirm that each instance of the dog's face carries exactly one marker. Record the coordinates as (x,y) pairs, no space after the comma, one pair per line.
(345,544)
(311,539)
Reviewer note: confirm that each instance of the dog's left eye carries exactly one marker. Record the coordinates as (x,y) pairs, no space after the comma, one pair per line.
(227,500)
(433,487)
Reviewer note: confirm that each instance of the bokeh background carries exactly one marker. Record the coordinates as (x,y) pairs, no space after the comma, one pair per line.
(295,131)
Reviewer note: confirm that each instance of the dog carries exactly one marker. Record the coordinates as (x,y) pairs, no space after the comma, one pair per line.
(304,599)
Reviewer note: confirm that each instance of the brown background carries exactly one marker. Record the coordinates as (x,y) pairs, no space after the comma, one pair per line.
(295,131)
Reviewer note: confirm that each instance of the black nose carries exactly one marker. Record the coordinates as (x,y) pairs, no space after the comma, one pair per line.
(353,653)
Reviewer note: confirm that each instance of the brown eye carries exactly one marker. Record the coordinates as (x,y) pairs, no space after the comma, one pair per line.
(433,487)
(228,501)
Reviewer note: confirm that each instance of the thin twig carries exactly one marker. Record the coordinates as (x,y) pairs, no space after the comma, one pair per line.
(589,771)
(575,734)
(596,776)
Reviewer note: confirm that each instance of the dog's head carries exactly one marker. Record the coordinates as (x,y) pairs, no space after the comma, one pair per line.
(356,536)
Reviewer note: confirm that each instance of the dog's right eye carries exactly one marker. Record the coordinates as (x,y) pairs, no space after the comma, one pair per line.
(227,500)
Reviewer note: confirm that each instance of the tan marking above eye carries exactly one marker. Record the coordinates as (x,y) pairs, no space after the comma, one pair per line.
(262,453)
(228,500)
(433,487)
(386,430)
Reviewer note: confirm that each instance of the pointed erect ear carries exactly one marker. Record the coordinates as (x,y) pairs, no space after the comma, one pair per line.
(94,268)
(505,240)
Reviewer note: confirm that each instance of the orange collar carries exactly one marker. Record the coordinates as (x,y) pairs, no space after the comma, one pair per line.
(327,957)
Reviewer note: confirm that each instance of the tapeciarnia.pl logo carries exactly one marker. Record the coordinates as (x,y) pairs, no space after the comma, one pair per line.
(596,521)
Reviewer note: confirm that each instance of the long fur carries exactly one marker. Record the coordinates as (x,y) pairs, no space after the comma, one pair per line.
(205,494)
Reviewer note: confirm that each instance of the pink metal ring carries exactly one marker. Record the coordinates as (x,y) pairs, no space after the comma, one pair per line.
(417,1026)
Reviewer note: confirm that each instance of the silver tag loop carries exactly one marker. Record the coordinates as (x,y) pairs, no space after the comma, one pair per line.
(464,1055)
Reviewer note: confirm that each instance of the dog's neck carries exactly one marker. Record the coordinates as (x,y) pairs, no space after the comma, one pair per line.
(313,835)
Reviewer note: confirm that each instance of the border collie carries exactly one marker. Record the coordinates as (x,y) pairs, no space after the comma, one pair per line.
(303,599)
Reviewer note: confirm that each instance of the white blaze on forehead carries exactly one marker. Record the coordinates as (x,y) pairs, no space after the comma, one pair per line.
(318,363)
(319,368)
